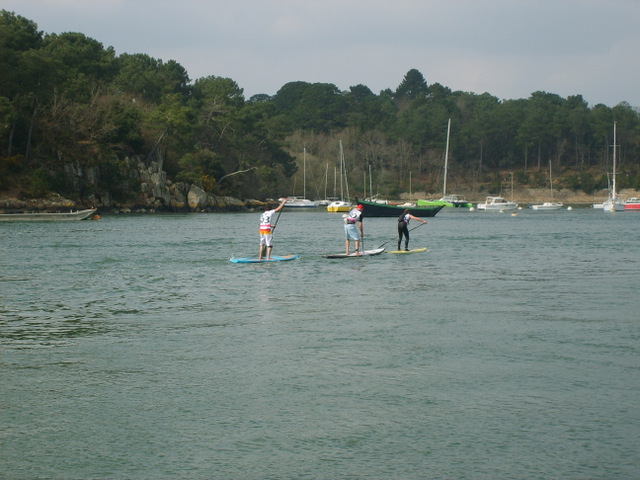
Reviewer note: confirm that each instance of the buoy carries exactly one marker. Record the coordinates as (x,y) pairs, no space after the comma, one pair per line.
(95,217)
(569,208)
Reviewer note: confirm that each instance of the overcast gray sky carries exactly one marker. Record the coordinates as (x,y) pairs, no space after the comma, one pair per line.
(508,48)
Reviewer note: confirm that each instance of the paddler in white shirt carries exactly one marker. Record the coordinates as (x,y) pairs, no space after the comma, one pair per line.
(266,230)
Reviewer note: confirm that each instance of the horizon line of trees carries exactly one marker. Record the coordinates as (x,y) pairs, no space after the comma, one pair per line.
(65,100)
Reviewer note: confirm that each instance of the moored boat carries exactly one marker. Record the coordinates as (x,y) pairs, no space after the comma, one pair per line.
(385,209)
(613,203)
(342,205)
(548,206)
(296,202)
(451,201)
(46,216)
(632,204)
(497,204)
(339,206)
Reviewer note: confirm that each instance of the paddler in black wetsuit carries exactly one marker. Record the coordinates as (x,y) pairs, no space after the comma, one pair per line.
(403,228)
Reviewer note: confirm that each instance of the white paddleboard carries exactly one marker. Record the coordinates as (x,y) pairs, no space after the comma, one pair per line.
(366,253)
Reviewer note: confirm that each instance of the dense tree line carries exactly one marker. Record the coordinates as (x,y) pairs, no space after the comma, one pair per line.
(65,100)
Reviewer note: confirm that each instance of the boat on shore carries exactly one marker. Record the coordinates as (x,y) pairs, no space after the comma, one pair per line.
(497,204)
(386,209)
(48,216)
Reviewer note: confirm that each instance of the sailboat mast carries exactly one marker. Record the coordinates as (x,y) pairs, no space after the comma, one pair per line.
(346,181)
(304,172)
(326,177)
(344,173)
(341,172)
(410,195)
(511,173)
(550,179)
(364,191)
(446,160)
(613,190)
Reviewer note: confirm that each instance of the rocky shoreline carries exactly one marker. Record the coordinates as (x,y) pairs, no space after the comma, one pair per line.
(156,193)
(57,203)
(196,200)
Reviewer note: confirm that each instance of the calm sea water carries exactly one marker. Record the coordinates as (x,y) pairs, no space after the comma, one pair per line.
(132,348)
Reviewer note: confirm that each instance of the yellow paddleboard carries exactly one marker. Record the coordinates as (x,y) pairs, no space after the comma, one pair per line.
(415,250)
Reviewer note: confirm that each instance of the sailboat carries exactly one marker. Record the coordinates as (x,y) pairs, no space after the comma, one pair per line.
(304,202)
(450,200)
(325,201)
(498,204)
(342,205)
(549,205)
(613,203)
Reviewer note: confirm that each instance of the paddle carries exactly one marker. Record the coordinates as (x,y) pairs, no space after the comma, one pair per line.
(276,223)
(273,229)
(411,229)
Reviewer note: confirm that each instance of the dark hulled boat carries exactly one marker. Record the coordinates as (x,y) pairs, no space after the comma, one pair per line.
(375,209)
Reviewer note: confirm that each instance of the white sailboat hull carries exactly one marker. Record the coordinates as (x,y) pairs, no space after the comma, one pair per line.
(295,202)
(613,205)
(497,204)
(548,206)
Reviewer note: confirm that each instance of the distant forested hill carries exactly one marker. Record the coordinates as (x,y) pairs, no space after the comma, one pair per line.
(74,115)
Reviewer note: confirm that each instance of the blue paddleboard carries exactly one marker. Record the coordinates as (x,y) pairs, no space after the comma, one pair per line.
(274,258)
